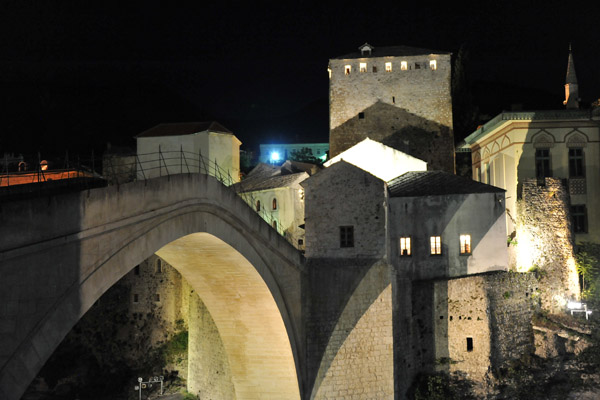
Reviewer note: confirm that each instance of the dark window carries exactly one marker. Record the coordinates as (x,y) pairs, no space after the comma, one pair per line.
(576,163)
(374,68)
(300,242)
(469,344)
(136,270)
(361,115)
(346,236)
(274,224)
(157,297)
(579,217)
(159,266)
(257,205)
(417,65)
(542,163)
(136,298)
(394,99)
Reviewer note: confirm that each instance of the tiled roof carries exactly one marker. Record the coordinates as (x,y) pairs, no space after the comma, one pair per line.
(273,182)
(183,128)
(392,51)
(432,183)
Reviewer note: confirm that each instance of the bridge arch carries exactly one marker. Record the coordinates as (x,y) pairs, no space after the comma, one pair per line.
(116,228)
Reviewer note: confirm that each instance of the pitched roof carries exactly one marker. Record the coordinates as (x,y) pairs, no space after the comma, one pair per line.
(273,182)
(392,51)
(435,183)
(183,128)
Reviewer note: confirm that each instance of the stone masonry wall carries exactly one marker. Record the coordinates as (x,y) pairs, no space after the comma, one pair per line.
(474,324)
(349,330)
(413,108)
(209,372)
(545,240)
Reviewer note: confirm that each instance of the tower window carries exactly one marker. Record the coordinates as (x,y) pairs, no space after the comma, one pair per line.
(465,244)
(388,67)
(542,163)
(576,169)
(403,65)
(433,65)
(363,67)
(579,218)
(469,344)
(347,69)
(436,245)
(405,246)
(346,236)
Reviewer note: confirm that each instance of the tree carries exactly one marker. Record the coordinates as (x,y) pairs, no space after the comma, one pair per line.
(305,155)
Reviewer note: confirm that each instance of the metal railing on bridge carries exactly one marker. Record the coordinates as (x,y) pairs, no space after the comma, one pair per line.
(116,169)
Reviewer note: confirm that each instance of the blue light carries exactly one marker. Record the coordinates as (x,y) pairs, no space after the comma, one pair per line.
(274,156)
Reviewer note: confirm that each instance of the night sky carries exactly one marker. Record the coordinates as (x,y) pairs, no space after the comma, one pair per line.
(78,74)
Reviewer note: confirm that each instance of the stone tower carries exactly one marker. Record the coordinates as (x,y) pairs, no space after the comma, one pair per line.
(399,96)
(571,86)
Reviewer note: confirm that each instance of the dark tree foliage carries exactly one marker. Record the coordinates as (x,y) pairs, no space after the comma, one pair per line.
(305,155)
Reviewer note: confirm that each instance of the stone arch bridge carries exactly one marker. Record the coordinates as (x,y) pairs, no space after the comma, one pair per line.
(60,253)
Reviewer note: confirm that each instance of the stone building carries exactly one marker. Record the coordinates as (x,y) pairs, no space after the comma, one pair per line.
(564,144)
(175,148)
(397,95)
(276,195)
(436,243)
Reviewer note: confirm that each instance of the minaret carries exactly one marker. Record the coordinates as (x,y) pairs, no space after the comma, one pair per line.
(571,86)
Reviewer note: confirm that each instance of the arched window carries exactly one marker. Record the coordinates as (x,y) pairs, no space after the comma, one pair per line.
(257,205)
(274,204)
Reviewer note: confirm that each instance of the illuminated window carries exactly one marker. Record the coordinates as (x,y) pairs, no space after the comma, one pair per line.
(465,244)
(403,65)
(433,64)
(363,67)
(576,169)
(579,218)
(388,67)
(301,194)
(257,205)
(374,68)
(274,204)
(542,163)
(405,246)
(347,69)
(436,245)
(346,236)
(329,72)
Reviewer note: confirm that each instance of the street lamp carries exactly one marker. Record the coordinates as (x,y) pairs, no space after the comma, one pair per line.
(146,385)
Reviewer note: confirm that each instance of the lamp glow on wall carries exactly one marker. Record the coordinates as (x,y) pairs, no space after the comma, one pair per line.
(275,157)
